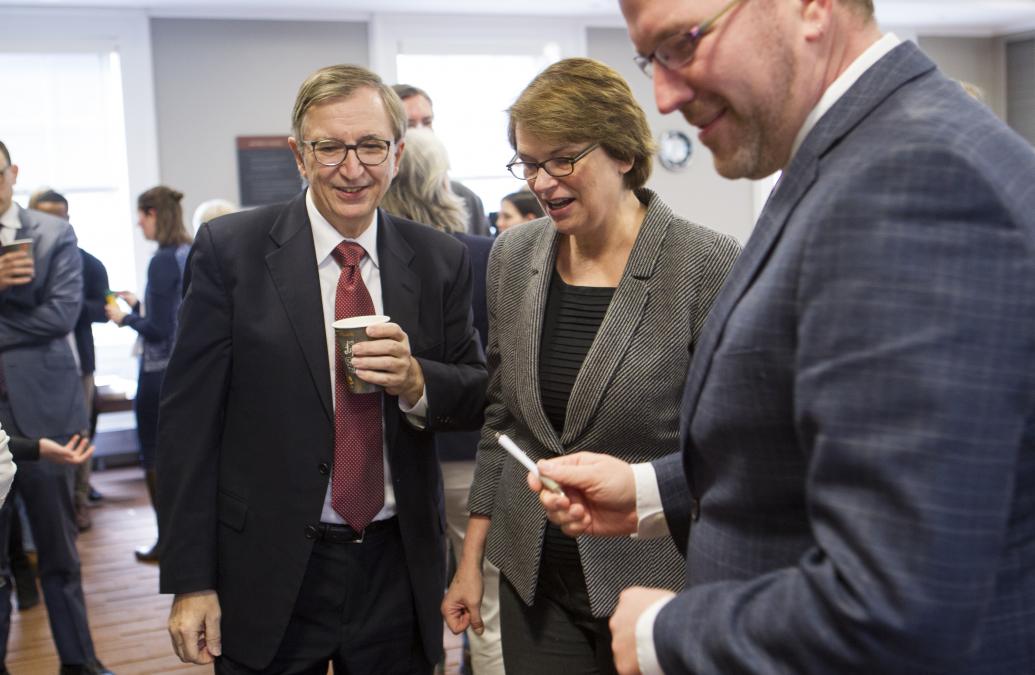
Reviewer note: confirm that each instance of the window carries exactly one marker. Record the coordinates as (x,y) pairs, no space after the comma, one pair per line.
(473,68)
(72,139)
(471,93)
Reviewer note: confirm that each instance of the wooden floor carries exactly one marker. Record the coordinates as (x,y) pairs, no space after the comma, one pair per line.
(127,615)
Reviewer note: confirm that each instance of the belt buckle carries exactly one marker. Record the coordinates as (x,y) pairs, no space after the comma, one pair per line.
(358,540)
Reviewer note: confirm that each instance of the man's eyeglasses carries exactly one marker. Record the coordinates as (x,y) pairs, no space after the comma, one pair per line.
(369,152)
(558,167)
(678,50)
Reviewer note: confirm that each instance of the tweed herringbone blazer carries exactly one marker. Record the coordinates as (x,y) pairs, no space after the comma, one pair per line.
(625,400)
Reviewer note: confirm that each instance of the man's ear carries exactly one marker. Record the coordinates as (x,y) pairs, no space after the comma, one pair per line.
(399,147)
(297,150)
(816,16)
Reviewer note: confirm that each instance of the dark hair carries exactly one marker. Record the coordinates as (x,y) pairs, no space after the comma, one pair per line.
(165,202)
(406,91)
(526,203)
(50,197)
(580,100)
(7,155)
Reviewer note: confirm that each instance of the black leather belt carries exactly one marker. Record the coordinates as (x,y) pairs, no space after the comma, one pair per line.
(343,534)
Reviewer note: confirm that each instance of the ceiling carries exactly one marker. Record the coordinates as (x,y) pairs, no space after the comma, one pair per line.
(951,17)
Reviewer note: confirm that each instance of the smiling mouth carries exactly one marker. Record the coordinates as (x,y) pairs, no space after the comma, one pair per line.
(555,204)
(352,190)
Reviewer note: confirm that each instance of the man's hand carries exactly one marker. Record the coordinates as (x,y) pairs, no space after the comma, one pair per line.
(75,452)
(600,494)
(385,360)
(114,313)
(194,627)
(631,604)
(463,602)
(16,269)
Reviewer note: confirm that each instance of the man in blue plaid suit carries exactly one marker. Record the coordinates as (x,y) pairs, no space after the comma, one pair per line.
(857,485)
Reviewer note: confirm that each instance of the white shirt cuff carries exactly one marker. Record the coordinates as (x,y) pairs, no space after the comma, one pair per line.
(418,414)
(646,655)
(650,515)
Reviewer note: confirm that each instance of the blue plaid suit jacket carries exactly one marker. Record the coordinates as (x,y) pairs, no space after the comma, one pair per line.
(858,475)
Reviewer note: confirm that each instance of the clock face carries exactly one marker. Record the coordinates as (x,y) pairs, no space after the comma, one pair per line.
(675,150)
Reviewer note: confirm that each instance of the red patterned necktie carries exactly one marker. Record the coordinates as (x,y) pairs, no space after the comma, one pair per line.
(358,478)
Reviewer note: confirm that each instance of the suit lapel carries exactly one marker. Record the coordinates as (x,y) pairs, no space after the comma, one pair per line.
(623,316)
(293,269)
(400,294)
(28,227)
(400,285)
(533,309)
(904,63)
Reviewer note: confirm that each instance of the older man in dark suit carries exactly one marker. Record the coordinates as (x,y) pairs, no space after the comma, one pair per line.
(41,395)
(301,522)
(859,456)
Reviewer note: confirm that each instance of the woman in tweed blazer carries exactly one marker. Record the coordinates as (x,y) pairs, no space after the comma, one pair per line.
(594,311)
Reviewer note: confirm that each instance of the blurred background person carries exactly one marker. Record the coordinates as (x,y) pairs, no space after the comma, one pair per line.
(95,292)
(210,209)
(161,220)
(420,114)
(40,395)
(421,191)
(595,313)
(516,208)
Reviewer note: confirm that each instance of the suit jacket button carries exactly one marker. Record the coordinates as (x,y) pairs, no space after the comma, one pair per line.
(310,532)
(695,510)
(324,468)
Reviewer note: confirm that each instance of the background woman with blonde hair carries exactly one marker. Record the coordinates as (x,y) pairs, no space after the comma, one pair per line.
(595,313)
(160,218)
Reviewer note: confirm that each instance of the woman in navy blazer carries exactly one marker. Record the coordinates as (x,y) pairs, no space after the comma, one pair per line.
(161,220)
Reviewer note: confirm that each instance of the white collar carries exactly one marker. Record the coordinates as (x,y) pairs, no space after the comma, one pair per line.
(326,238)
(10,219)
(842,84)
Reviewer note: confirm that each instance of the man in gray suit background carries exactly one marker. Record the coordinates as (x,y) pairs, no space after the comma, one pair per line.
(41,396)
(858,469)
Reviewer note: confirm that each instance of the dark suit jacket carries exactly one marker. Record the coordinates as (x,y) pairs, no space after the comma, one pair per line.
(625,400)
(43,383)
(246,423)
(454,446)
(858,431)
(95,290)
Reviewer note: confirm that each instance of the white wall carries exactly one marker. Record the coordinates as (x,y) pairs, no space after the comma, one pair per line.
(219,79)
(698,193)
(981,61)
(1021,86)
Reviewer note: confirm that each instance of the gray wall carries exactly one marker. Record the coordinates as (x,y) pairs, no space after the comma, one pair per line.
(215,80)
(980,61)
(1020,76)
(699,193)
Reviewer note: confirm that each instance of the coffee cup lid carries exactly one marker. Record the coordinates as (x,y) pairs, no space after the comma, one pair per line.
(360,321)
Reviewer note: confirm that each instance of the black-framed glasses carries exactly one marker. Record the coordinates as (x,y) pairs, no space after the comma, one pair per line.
(678,50)
(369,151)
(558,167)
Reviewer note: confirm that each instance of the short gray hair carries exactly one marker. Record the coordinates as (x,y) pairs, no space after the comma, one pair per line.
(341,81)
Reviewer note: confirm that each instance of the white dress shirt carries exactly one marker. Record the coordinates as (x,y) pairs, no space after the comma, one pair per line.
(9,224)
(649,512)
(325,239)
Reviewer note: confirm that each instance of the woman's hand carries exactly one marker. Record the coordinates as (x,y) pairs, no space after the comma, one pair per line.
(131,299)
(75,452)
(463,602)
